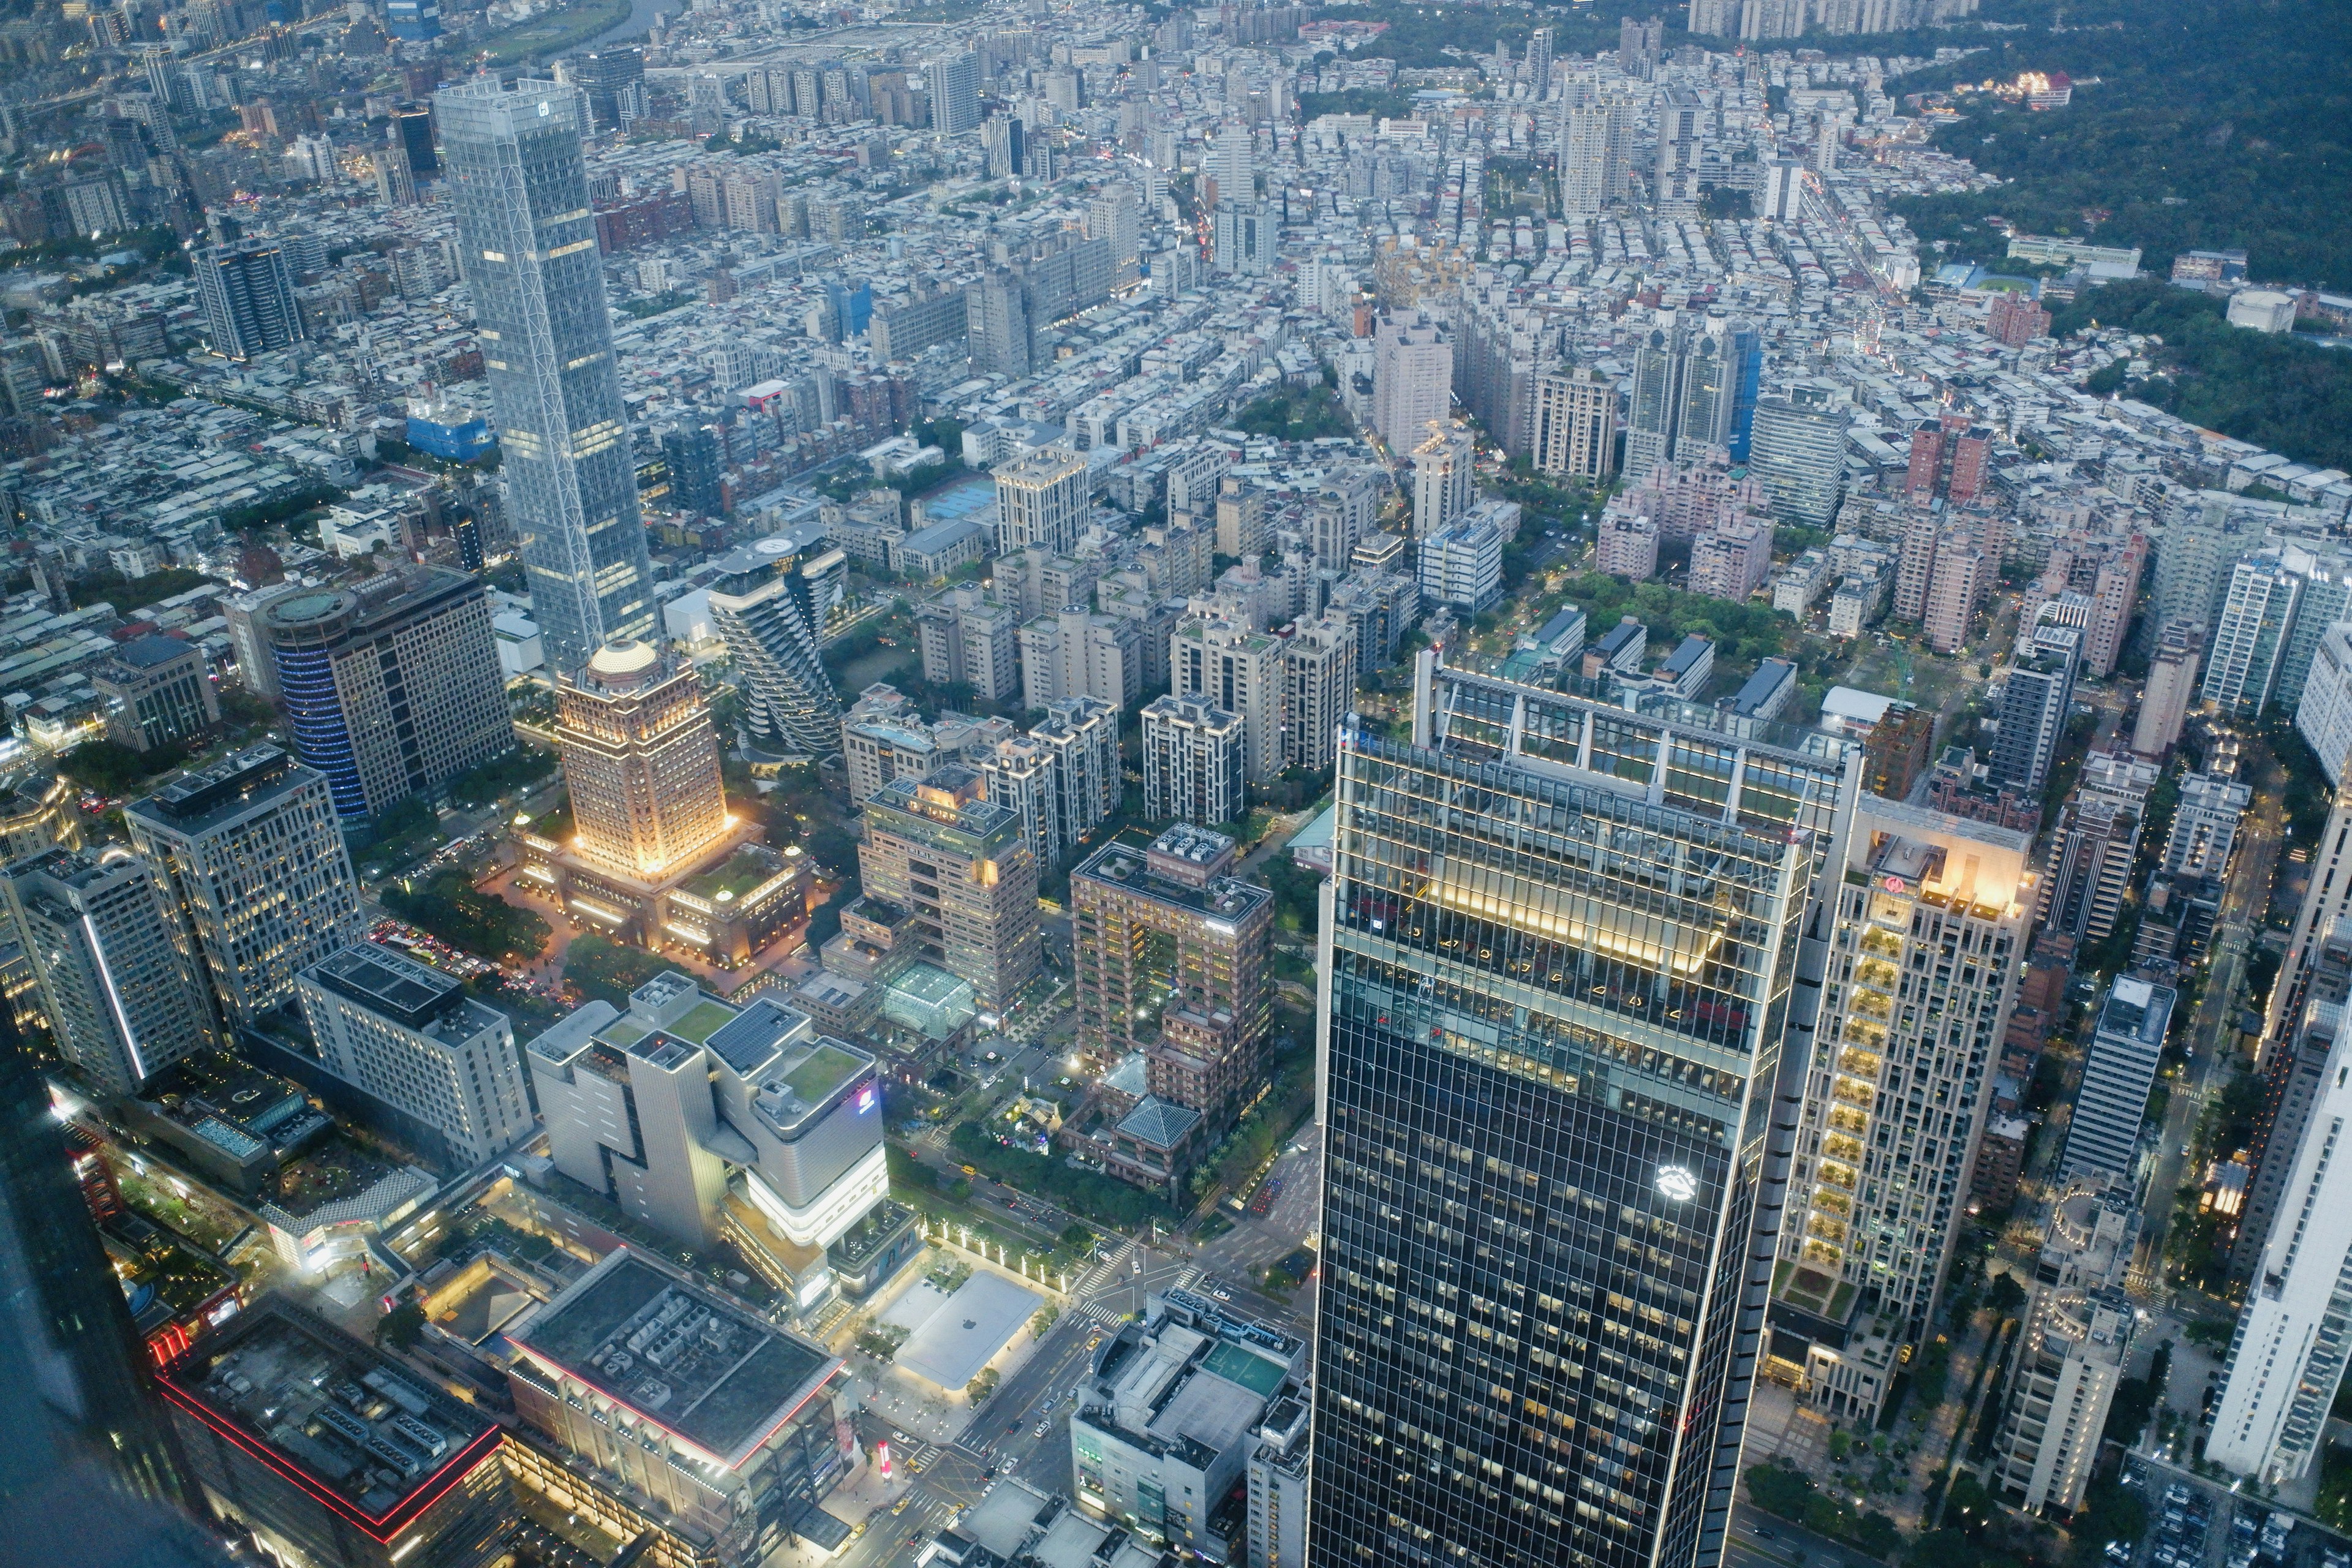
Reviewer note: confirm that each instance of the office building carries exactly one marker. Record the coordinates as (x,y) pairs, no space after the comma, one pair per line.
(89,1473)
(938,848)
(1174,958)
(116,979)
(1485,978)
(1798,452)
(883,739)
(1445,475)
(641,762)
(1413,380)
(955,93)
(413,124)
(2287,1357)
(2037,695)
(703,1119)
(1320,664)
(246,292)
(772,602)
(1238,671)
(2119,1071)
(335,1454)
(1167,1419)
(391,688)
(1043,498)
(1462,566)
(1194,761)
(157,692)
(1240,520)
(1575,425)
(251,855)
(1245,237)
(1930,924)
(2077,1340)
(536,276)
(657,1410)
(411,1037)
(612,82)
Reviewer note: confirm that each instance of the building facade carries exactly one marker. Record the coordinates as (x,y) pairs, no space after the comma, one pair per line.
(959,861)
(116,978)
(1195,762)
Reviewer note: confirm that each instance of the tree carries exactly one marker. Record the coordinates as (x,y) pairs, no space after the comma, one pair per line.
(463,916)
(604,971)
(109,767)
(402,1327)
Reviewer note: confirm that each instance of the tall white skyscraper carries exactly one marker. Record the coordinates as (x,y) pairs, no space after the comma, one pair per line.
(527,239)
(1413,380)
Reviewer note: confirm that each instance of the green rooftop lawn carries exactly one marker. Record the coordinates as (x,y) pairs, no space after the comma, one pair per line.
(741,872)
(822,1073)
(706,1020)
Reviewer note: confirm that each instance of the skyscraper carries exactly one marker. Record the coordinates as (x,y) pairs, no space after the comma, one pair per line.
(771,602)
(116,978)
(1413,380)
(1682,124)
(253,861)
(391,688)
(1798,455)
(2035,699)
(1444,476)
(1656,414)
(2111,1107)
(612,82)
(641,762)
(1193,760)
(527,233)
(1551,1199)
(247,290)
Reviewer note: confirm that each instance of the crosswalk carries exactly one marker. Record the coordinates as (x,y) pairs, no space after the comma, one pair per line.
(920,1459)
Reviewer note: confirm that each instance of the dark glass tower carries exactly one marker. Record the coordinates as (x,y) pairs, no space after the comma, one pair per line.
(87,1471)
(1562,958)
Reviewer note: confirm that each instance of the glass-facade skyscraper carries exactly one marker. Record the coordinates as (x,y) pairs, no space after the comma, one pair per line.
(526,241)
(1560,969)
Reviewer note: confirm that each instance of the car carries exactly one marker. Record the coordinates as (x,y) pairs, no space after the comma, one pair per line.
(900,1437)
(900,1506)
(1040,1429)
(1137,1264)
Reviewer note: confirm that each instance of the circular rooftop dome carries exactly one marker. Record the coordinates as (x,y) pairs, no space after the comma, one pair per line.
(623,658)
(302,609)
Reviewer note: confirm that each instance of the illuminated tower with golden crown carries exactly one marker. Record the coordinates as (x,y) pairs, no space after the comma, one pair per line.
(652,855)
(642,762)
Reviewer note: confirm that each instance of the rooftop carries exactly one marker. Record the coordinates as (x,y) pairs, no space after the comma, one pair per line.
(371,1441)
(153,649)
(1128,867)
(203,798)
(692,1362)
(388,983)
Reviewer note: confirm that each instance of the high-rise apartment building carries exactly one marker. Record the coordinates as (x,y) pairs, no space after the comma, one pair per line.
(2287,1357)
(1238,671)
(2171,686)
(1194,761)
(1948,459)
(1444,474)
(971,639)
(2248,644)
(1595,147)
(1230,163)
(2111,1108)
(1073,653)
(2205,825)
(2199,545)
(251,855)
(2077,1339)
(1462,566)
(641,763)
(411,1037)
(391,688)
(772,603)
(1931,915)
(2295,1065)
(1540,1025)
(1655,412)
(116,978)
(1956,587)
(1245,237)
(955,93)
(1041,499)
(1682,133)
(1082,734)
(1413,380)
(527,230)
(1172,953)
(2037,695)
(1319,662)
(1575,423)
(246,292)
(959,861)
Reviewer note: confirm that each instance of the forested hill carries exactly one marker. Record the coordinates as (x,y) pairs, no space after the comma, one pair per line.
(2213,125)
